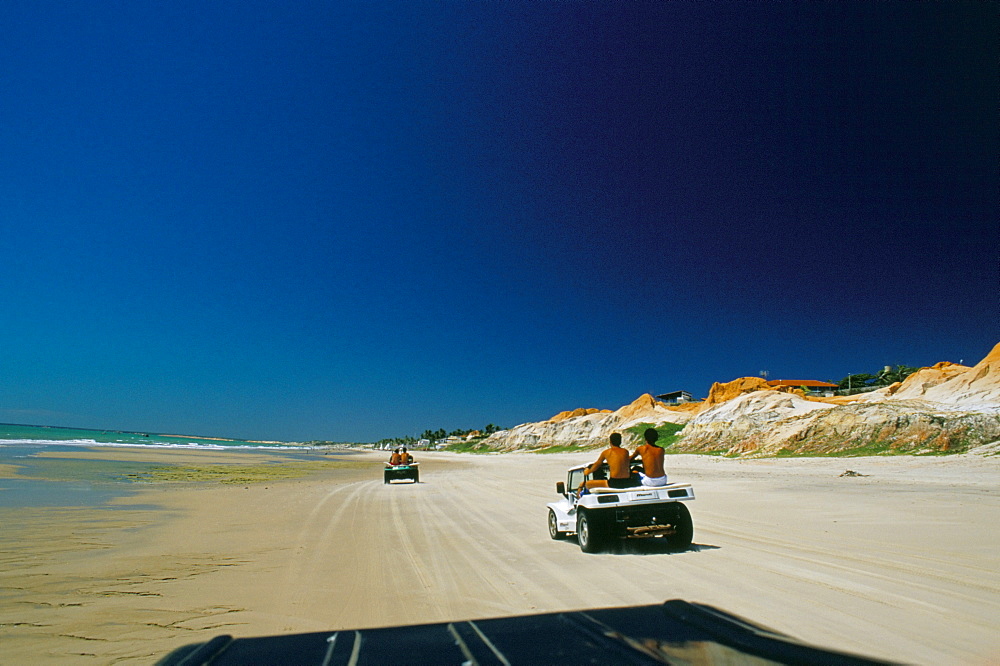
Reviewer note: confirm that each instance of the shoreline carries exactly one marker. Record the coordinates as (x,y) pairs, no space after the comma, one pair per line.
(90,475)
(896,564)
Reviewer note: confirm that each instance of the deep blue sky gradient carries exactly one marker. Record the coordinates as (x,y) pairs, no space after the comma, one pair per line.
(349,221)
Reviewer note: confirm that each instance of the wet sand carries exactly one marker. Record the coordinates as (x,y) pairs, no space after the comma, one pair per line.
(898,564)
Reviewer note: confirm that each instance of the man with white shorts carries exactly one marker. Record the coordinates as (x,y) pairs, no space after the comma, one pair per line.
(652,481)
(652,460)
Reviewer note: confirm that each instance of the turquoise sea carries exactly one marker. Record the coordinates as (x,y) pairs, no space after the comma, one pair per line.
(16,435)
(46,481)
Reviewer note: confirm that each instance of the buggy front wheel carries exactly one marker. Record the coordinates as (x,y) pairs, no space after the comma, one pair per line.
(554,532)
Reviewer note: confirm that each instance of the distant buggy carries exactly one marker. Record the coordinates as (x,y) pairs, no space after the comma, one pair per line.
(603,515)
(396,472)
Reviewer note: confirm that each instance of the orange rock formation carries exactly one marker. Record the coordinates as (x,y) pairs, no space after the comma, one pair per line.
(580,411)
(642,404)
(724,392)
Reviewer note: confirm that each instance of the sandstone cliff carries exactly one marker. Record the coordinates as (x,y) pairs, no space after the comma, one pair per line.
(586,428)
(944,408)
(951,385)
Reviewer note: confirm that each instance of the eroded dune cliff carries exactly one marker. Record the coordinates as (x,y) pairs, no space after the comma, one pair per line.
(586,427)
(943,408)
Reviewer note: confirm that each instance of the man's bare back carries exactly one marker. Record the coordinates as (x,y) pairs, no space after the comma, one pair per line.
(652,459)
(617,459)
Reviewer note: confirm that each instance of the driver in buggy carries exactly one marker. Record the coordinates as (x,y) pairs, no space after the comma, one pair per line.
(617,460)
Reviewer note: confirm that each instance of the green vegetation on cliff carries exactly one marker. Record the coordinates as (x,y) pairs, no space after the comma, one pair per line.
(470,446)
(863,380)
(669,433)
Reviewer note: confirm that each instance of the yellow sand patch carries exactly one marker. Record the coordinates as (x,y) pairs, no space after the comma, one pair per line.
(9,471)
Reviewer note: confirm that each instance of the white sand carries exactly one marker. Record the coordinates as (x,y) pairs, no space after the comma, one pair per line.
(901,564)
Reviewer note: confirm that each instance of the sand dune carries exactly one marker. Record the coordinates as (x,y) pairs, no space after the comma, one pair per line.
(899,563)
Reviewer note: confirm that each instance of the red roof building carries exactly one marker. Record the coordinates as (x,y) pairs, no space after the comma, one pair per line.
(808,383)
(811,385)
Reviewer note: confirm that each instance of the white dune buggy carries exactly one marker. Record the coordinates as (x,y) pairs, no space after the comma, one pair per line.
(601,515)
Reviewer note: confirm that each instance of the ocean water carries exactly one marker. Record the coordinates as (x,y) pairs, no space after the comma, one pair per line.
(44,481)
(20,435)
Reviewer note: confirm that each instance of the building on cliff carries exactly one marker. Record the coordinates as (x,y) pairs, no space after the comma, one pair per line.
(825,389)
(674,397)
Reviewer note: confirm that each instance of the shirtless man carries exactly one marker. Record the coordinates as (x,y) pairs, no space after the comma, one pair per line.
(617,459)
(652,460)
(404,457)
(394,459)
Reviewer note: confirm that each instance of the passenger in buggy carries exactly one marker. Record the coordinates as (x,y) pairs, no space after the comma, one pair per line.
(652,474)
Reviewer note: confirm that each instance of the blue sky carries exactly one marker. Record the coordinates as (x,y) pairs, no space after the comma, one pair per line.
(350,221)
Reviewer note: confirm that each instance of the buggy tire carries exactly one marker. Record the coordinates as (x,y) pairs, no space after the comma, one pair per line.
(554,532)
(589,535)
(684,529)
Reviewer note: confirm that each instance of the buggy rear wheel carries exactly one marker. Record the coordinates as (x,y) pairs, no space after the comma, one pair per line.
(683,529)
(588,534)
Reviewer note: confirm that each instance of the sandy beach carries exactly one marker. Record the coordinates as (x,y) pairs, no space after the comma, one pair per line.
(900,563)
